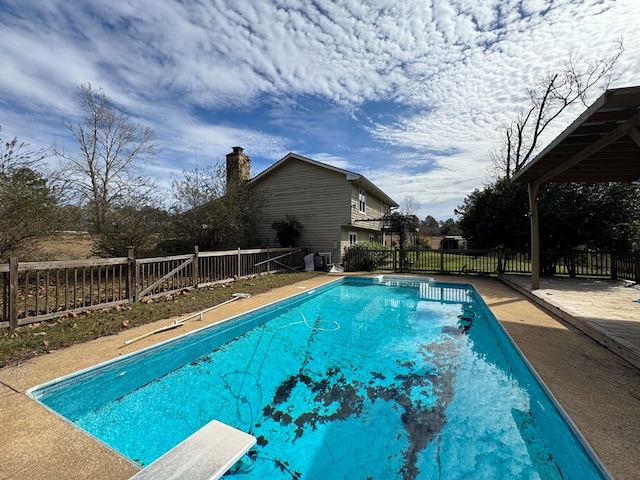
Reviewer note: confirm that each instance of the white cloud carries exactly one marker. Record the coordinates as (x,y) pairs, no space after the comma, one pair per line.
(458,67)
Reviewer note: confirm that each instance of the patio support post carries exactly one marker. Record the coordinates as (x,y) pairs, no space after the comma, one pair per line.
(534,188)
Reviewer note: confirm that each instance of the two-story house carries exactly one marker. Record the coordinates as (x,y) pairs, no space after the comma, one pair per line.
(336,207)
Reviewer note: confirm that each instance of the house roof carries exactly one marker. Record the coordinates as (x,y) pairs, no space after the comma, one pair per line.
(601,145)
(358,179)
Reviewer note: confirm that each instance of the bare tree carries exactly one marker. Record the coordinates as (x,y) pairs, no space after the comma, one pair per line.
(15,155)
(208,212)
(105,174)
(196,188)
(409,205)
(580,78)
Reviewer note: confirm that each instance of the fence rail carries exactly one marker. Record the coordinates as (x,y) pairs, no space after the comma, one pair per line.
(576,263)
(37,291)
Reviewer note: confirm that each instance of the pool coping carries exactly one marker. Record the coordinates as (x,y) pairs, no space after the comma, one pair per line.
(35,450)
(166,461)
(572,425)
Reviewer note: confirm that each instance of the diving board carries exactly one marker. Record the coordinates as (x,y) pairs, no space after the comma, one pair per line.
(206,455)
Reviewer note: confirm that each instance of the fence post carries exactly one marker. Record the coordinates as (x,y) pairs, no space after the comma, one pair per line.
(268,263)
(13,293)
(195,264)
(132,275)
(614,266)
(395,260)
(636,258)
(442,261)
(239,262)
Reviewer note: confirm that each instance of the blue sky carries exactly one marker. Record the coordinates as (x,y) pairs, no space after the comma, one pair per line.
(411,94)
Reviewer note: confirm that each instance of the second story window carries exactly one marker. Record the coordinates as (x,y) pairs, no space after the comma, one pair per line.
(362,201)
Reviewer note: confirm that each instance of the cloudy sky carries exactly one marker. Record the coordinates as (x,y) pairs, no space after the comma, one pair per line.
(409,93)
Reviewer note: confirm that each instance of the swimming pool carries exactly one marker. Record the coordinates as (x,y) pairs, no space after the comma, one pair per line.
(362,378)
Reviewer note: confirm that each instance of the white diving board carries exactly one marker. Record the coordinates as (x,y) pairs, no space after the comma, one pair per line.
(206,455)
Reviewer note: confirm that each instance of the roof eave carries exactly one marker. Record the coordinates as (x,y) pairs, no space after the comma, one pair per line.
(622,99)
(349,176)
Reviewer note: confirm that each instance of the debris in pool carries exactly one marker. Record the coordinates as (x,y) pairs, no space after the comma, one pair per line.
(335,398)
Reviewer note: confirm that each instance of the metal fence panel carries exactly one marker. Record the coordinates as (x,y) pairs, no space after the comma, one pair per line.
(490,262)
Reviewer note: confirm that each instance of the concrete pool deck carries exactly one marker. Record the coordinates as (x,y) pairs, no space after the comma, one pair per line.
(597,388)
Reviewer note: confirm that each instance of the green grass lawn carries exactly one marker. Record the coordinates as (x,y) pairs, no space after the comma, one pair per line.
(436,262)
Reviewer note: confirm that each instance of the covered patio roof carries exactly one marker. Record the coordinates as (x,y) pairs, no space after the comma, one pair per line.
(601,145)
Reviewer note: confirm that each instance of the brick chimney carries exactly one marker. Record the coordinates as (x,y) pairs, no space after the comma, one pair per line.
(238,166)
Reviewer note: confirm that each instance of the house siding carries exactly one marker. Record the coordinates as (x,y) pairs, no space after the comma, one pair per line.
(319,198)
(325,201)
(375,209)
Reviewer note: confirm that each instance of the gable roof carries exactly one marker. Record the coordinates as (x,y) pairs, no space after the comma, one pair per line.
(601,145)
(358,179)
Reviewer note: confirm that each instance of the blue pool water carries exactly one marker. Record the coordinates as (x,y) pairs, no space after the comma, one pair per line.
(363,378)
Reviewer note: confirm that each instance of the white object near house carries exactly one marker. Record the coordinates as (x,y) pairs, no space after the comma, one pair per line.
(308,262)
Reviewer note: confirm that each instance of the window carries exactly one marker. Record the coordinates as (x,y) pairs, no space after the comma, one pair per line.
(362,200)
(372,238)
(353,238)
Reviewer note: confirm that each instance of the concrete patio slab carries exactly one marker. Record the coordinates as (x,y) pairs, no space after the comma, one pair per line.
(606,310)
(598,389)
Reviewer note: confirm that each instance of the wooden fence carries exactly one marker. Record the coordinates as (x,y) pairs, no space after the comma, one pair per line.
(37,291)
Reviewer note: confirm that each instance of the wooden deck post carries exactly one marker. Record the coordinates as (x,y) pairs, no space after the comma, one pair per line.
(195,266)
(13,293)
(132,275)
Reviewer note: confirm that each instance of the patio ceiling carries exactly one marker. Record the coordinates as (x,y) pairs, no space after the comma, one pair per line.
(602,145)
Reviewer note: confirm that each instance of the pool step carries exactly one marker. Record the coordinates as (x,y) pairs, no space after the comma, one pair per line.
(207,454)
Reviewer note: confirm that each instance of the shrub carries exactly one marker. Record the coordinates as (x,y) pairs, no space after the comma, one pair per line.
(287,230)
(365,256)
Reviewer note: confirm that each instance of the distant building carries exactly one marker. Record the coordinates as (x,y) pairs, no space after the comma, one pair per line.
(453,242)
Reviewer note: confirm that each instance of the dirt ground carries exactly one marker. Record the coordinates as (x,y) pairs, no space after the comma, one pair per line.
(78,246)
(66,246)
